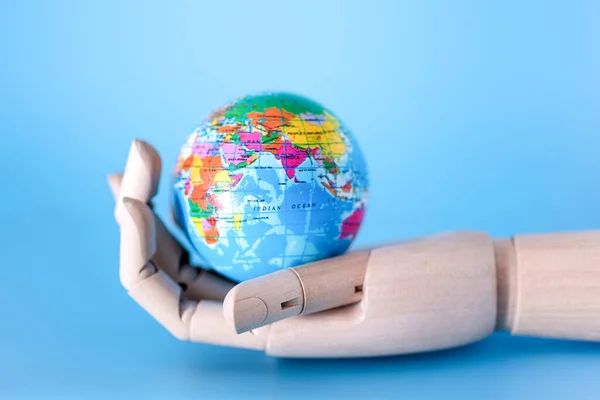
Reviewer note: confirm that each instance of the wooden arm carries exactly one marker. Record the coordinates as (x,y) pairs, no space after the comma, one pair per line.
(429,294)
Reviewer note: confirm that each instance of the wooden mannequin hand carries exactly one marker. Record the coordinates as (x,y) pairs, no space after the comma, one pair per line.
(188,301)
(154,267)
(427,294)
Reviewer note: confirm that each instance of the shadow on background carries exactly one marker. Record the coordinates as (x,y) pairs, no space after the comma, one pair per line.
(498,348)
(465,370)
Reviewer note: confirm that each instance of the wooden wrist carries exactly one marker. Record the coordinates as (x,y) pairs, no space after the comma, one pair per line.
(549,285)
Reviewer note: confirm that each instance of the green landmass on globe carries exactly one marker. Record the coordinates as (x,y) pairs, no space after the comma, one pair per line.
(267,182)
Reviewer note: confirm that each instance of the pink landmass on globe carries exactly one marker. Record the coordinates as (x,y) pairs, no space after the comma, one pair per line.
(251,140)
(351,224)
(206,224)
(291,157)
(235,179)
(235,154)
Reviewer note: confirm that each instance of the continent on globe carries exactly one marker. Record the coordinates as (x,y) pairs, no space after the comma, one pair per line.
(270,181)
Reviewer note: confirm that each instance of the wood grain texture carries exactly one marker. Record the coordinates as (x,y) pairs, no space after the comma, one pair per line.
(261,301)
(427,294)
(334,282)
(190,320)
(558,285)
(307,289)
(209,326)
(161,298)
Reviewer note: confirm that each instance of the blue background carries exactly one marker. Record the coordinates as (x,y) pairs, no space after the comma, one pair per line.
(471,115)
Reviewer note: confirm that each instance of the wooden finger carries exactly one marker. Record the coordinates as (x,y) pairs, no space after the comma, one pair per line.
(141,176)
(170,257)
(190,320)
(138,242)
(202,284)
(306,289)
(162,296)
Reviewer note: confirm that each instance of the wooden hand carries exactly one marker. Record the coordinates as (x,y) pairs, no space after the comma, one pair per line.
(426,294)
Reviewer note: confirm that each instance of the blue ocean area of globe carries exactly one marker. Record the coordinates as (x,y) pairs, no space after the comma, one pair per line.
(268,182)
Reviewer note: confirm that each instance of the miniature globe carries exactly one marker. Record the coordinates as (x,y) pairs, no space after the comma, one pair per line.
(267,182)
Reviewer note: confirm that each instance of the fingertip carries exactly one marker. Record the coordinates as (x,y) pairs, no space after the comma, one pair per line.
(147,153)
(114,182)
(244,315)
(209,326)
(142,173)
(263,300)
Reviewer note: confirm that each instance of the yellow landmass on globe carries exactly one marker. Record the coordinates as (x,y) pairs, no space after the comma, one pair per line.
(198,224)
(237,221)
(195,169)
(305,134)
(222,178)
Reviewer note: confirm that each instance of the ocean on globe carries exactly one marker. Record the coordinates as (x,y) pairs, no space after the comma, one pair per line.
(269,181)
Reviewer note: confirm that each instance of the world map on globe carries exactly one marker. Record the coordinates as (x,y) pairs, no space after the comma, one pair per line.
(269,181)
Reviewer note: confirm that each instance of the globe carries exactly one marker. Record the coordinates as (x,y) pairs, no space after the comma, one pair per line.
(269,181)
